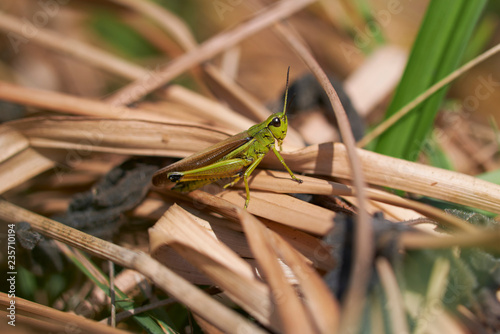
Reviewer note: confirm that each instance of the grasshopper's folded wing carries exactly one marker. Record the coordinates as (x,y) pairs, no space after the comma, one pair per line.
(203,158)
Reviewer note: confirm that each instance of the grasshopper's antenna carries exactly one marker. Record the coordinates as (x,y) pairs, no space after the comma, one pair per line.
(286,90)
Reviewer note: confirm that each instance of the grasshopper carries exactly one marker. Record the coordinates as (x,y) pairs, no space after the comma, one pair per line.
(235,157)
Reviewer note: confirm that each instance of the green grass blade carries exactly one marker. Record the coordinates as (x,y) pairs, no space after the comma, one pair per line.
(146,320)
(438,48)
(123,38)
(492,176)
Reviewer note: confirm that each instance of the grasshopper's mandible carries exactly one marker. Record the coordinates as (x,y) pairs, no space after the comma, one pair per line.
(235,157)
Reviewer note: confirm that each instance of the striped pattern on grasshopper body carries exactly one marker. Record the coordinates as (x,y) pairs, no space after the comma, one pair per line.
(235,157)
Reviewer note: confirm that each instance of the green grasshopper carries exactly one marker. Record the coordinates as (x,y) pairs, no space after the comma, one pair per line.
(230,157)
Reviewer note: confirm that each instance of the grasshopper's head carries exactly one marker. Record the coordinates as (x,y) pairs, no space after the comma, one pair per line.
(278,123)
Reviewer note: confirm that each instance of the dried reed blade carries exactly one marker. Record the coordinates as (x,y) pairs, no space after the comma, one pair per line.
(149,138)
(330,158)
(75,105)
(22,167)
(279,182)
(116,136)
(286,210)
(291,311)
(311,247)
(181,230)
(12,142)
(197,301)
(321,304)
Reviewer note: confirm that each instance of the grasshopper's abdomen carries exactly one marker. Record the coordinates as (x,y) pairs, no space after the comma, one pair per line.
(190,186)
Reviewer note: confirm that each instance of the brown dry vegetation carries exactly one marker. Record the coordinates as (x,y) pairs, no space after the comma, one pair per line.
(74,106)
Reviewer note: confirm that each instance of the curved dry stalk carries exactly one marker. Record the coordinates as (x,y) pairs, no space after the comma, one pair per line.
(212,311)
(363,252)
(425,95)
(207,50)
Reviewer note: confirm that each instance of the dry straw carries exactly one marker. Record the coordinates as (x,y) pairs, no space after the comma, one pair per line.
(268,266)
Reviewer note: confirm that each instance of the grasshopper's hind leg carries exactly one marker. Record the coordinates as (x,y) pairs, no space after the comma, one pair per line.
(237,178)
(196,178)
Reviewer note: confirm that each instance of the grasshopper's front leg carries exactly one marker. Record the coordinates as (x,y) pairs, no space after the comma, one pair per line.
(280,158)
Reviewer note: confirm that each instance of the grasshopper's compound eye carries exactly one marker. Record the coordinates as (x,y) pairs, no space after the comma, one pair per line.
(174,176)
(276,122)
